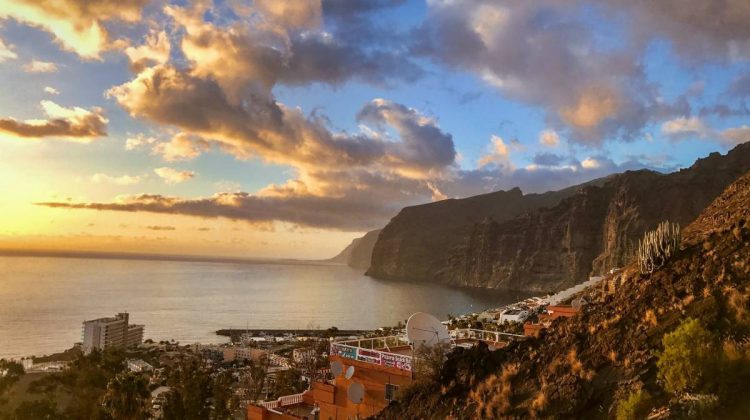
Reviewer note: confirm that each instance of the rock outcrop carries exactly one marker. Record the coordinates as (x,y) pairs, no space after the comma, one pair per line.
(544,242)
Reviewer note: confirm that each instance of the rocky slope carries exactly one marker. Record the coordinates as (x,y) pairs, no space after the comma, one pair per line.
(359,252)
(587,366)
(543,242)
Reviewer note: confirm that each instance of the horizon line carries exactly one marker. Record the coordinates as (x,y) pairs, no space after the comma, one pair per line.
(115,255)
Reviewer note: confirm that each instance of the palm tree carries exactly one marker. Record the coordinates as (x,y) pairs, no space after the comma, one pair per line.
(126,396)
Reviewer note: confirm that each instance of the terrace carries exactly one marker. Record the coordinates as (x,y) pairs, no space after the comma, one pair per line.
(396,352)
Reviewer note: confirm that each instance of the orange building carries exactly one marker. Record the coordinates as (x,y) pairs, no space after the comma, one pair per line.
(532,329)
(559,311)
(382,366)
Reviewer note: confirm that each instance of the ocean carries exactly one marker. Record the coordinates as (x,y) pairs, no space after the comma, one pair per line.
(44,300)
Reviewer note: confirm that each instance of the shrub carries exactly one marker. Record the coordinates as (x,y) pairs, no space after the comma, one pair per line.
(689,357)
(636,406)
(657,246)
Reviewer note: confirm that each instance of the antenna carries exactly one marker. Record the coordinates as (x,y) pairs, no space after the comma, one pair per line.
(423,329)
(356,392)
(336,368)
(349,372)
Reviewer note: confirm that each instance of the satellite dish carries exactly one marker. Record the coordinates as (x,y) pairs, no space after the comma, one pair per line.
(356,392)
(426,330)
(336,368)
(349,372)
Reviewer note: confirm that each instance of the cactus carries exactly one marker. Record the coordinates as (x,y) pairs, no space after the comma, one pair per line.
(657,246)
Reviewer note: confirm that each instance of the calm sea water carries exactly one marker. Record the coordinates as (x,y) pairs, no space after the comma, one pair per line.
(44,300)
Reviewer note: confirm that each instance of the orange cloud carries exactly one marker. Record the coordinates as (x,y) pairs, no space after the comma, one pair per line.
(173,176)
(37,66)
(181,147)
(594,105)
(77,25)
(75,124)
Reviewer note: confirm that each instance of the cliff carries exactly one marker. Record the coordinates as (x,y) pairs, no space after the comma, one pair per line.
(550,241)
(590,366)
(359,252)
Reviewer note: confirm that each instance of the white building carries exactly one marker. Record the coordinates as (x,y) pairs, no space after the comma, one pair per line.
(513,315)
(113,332)
(139,366)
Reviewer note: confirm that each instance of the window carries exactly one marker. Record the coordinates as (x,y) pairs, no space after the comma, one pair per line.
(391,392)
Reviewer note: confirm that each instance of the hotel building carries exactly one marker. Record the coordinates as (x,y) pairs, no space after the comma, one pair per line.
(112,332)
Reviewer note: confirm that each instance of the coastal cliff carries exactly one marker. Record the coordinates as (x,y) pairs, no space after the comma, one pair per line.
(611,359)
(359,252)
(543,242)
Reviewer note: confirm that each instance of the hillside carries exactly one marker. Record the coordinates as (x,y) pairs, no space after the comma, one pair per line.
(359,252)
(612,356)
(543,242)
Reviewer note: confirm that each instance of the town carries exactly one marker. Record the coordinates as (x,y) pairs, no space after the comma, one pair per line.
(284,375)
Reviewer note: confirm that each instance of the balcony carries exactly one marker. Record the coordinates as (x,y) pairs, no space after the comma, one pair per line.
(390,352)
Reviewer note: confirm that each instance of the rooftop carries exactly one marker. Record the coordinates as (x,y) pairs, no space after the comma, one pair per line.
(396,351)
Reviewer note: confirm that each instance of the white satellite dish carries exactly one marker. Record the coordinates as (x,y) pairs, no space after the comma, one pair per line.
(425,330)
(356,392)
(336,368)
(349,372)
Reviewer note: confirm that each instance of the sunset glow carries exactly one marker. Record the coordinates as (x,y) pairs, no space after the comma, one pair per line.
(288,128)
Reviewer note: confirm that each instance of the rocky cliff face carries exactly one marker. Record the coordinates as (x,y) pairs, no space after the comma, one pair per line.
(585,366)
(543,242)
(359,253)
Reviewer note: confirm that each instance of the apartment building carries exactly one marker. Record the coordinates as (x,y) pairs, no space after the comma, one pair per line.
(111,332)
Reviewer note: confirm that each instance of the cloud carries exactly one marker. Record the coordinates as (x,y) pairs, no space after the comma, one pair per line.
(261,126)
(544,54)
(161,227)
(37,66)
(499,154)
(696,28)
(353,209)
(173,176)
(297,14)
(734,136)
(681,128)
(155,50)
(50,90)
(549,138)
(75,124)
(6,52)
(423,146)
(119,180)
(77,25)
(591,85)
(181,147)
(684,127)
(548,159)
(138,141)
(228,186)
(591,163)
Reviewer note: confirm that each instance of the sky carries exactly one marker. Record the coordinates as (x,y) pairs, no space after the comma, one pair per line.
(286,128)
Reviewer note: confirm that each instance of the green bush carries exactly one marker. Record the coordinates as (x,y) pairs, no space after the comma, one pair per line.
(635,407)
(689,359)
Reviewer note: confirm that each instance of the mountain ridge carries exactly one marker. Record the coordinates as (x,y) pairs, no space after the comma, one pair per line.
(550,241)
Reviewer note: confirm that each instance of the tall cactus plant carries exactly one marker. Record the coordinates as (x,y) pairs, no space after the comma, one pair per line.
(657,246)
